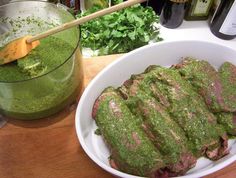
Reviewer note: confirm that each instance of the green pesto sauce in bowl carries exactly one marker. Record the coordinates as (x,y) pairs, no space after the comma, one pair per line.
(43,82)
(51,53)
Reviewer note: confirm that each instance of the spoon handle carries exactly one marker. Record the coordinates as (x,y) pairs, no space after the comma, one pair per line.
(84,19)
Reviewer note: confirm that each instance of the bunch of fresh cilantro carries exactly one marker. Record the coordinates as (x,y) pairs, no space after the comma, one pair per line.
(121,31)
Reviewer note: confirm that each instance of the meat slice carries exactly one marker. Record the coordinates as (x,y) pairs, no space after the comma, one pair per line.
(188,109)
(227,73)
(228,121)
(131,150)
(206,81)
(168,137)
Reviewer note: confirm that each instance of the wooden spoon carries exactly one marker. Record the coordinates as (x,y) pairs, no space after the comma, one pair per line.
(21,47)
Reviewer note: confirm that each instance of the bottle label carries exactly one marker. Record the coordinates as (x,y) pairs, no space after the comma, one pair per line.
(201,7)
(229,25)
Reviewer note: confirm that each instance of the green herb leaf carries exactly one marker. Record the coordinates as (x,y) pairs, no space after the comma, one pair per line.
(121,31)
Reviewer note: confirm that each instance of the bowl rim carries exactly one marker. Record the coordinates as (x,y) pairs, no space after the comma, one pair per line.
(91,84)
(76,47)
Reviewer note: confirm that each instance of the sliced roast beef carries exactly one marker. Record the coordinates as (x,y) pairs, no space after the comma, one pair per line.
(168,137)
(206,81)
(188,109)
(131,149)
(159,122)
(228,121)
(227,73)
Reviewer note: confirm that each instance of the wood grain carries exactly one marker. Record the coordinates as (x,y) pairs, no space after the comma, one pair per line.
(49,148)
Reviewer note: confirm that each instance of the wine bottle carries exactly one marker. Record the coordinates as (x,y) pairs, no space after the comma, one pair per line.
(223,22)
(155,4)
(172,13)
(198,9)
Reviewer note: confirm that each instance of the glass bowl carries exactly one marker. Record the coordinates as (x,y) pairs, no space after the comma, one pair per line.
(46,94)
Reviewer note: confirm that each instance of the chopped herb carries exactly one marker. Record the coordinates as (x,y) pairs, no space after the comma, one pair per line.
(98,132)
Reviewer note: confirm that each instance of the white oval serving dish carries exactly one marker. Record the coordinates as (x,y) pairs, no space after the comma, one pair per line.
(162,53)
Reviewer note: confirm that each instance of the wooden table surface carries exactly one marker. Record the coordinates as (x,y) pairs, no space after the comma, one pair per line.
(49,148)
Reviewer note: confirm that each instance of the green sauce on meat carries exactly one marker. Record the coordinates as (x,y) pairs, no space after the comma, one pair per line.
(132,151)
(227,73)
(165,133)
(175,108)
(227,121)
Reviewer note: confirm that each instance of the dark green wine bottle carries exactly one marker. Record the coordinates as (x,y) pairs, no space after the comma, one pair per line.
(172,13)
(155,4)
(223,22)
